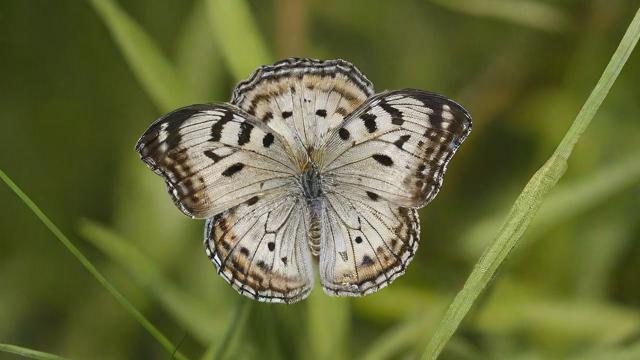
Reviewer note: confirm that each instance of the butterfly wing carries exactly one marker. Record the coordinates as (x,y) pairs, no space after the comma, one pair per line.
(258,247)
(397,145)
(303,99)
(366,244)
(214,157)
(221,163)
(386,160)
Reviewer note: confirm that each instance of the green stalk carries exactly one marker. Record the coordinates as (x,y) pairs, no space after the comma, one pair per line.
(238,37)
(529,201)
(157,75)
(28,353)
(234,329)
(169,347)
(532,14)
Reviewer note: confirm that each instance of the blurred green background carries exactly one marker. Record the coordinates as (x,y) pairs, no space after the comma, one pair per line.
(81,80)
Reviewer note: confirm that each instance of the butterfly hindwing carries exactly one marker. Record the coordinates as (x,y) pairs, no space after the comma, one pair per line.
(214,157)
(368,249)
(397,145)
(259,248)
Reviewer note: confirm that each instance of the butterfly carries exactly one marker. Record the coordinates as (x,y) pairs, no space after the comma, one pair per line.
(306,161)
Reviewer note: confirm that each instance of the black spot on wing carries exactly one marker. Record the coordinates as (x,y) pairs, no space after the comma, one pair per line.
(267,140)
(366,261)
(358,240)
(244,136)
(321,112)
(244,251)
(373,196)
(286,114)
(369,122)
(344,133)
(252,200)
(271,245)
(232,169)
(401,140)
(212,155)
(383,159)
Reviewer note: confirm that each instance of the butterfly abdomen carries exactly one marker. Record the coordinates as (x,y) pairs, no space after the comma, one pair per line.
(314,235)
(311,184)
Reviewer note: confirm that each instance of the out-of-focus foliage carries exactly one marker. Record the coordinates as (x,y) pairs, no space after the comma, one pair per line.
(82,80)
(531,198)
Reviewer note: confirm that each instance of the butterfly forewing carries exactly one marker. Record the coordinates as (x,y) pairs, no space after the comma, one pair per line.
(214,157)
(397,146)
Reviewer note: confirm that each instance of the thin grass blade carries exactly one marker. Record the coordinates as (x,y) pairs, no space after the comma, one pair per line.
(29,353)
(163,340)
(238,36)
(198,57)
(191,313)
(629,352)
(565,202)
(154,71)
(527,13)
(515,306)
(401,336)
(531,198)
(227,345)
(329,325)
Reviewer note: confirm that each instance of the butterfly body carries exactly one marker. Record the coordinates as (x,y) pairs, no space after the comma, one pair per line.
(307,161)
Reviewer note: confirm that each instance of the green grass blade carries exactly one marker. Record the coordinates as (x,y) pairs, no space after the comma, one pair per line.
(582,194)
(235,327)
(198,58)
(238,36)
(531,198)
(163,340)
(29,353)
(565,202)
(154,71)
(514,306)
(401,336)
(329,320)
(532,14)
(398,303)
(629,352)
(191,313)
(598,260)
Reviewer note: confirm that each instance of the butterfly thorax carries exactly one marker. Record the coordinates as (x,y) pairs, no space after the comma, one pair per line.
(311,183)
